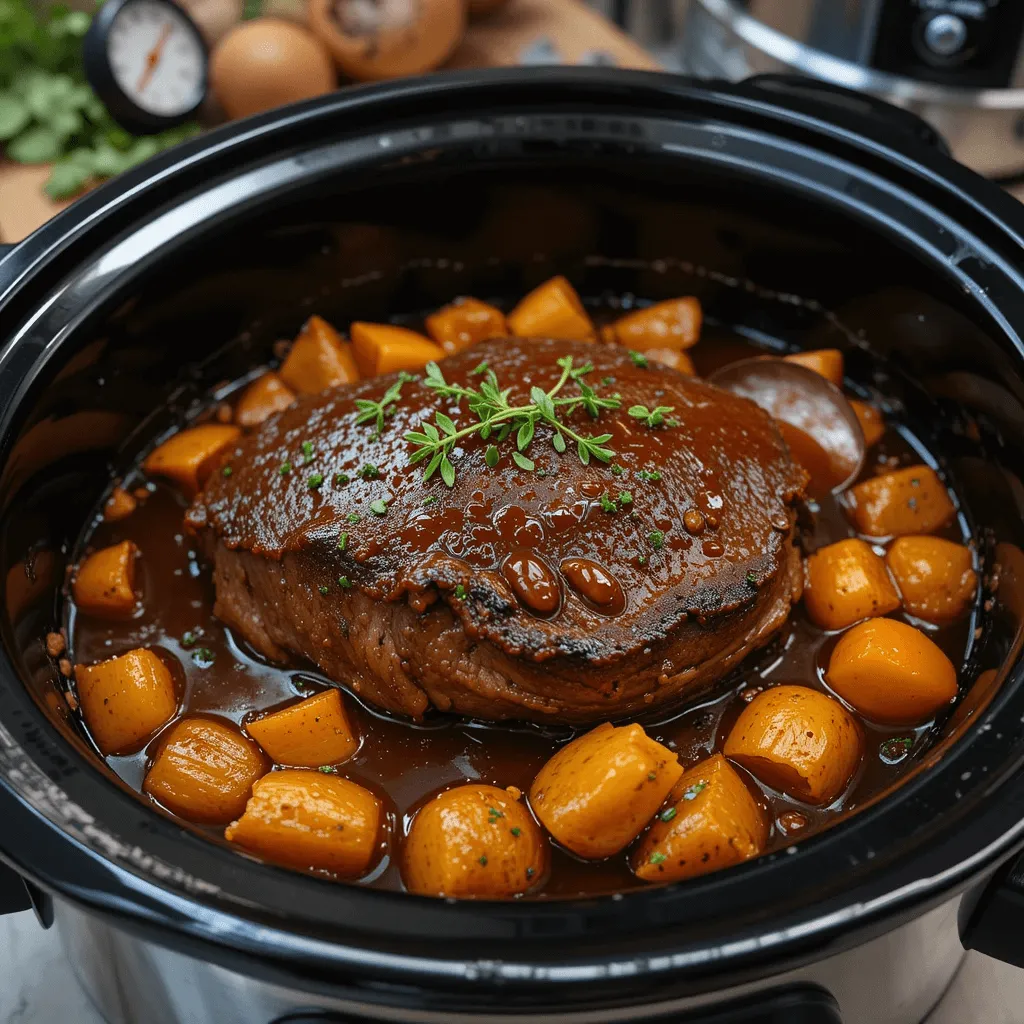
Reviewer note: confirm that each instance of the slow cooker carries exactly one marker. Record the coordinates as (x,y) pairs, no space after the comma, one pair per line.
(956,63)
(817,216)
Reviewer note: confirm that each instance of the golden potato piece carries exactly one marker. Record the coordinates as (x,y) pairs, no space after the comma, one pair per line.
(474,840)
(871,422)
(125,700)
(307,734)
(936,577)
(891,672)
(598,792)
(552,310)
(847,582)
(712,822)
(319,359)
(105,581)
(911,500)
(385,348)
(826,362)
(261,399)
(204,770)
(306,819)
(799,741)
(465,323)
(191,455)
(673,325)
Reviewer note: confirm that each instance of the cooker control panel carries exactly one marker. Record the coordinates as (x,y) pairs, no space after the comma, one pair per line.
(973,44)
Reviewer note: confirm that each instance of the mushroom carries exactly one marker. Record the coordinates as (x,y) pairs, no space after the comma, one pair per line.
(373,39)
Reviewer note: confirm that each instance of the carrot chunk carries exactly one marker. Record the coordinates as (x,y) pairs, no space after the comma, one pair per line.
(119,505)
(465,323)
(474,840)
(799,741)
(261,399)
(306,819)
(310,733)
(846,582)
(871,422)
(105,581)
(598,792)
(712,822)
(911,500)
(552,310)
(826,362)
(191,455)
(936,577)
(384,348)
(673,324)
(125,700)
(204,770)
(318,359)
(891,673)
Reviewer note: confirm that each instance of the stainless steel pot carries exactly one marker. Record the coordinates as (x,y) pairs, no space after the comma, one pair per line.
(819,218)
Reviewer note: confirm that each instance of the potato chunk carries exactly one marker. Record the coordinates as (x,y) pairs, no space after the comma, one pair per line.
(871,422)
(191,455)
(891,673)
(307,819)
(911,500)
(307,734)
(847,582)
(674,360)
(936,577)
(384,348)
(598,792)
(261,399)
(552,310)
(318,359)
(474,840)
(126,699)
(712,822)
(799,741)
(204,770)
(826,362)
(465,323)
(673,325)
(105,581)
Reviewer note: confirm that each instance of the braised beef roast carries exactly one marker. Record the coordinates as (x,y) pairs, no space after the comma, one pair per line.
(565,593)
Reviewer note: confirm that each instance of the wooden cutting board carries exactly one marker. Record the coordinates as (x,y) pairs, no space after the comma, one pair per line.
(555,31)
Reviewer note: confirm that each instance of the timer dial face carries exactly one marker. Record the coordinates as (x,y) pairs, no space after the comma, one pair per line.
(156,58)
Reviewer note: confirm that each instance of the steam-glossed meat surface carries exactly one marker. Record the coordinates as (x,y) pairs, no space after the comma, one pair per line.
(571,612)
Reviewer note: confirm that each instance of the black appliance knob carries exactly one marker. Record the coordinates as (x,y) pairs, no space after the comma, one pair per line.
(944,35)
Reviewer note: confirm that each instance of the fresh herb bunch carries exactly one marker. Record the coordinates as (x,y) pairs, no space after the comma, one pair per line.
(49,113)
(489,403)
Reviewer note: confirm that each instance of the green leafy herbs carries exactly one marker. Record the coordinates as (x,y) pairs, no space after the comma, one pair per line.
(324,589)
(342,478)
(649,474)
(658,858)
(516,831)
(369,471)
(668,814)
(328,769)
(430,499)
(752,579)
(608,504)
(638,359)
(625,498)
(307,452)
(49,113)
(379,507)
(352,517)
(374,412)
(191,637)
(691,792)
(343,542)
(285,468)
(482,860)
(344,582)
(496,418)
(895,749)
(203,657)
(227,471)
(653,417)
(493,814)
(460,592)
(315,481)
(657,539)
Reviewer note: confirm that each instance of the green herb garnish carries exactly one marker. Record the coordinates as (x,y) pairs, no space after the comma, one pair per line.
(379,507)
(344,582)
(434,443)
(307,452)
(668,814)
(226,471)
(352,517)
(315,481)
(638,359)
(341,478)
(460,592)
(328,769)
(482,860)
(369,472)
(616,469)
(516,831)
(374,412)
(692,791)
(649,474)
(430,499)
(190,638)
(494,814)
(625,498)
(343,542)
(608,504)
(286,468)
(895,749)
(657,539)
(324,589)
(203,657)
(651,776)
(658,858)
(652,417)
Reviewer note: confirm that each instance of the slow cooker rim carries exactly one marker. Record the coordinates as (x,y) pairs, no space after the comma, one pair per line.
(71,223)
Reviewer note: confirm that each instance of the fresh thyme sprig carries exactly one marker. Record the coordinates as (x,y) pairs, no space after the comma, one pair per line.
(374,412)
(653,417)
(498,419)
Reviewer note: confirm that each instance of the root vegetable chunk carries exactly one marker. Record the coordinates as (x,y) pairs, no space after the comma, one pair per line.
(712,822)
(474,840)
(799,741)
(466,323)
(309,820)
(262,398)
(190,456)
(310,733)
(672,325)
(670,357)
(105,581)
(598,792)
(204,770)
(319,359)
(891,673)
(911,500)
(384,348)
(847,582)
(936,577)
(126,699)
(552,310)
(870,420)
(826,362)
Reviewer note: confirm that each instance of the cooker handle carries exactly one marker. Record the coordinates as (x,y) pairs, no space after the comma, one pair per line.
(13,893)
(993,922)
(838,100)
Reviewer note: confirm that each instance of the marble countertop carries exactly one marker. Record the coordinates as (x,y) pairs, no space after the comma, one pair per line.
(37,985)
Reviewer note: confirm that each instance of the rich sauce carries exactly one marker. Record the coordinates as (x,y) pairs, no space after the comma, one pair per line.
(407,763)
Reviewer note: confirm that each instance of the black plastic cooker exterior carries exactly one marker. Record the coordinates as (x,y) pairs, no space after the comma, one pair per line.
(68,831)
